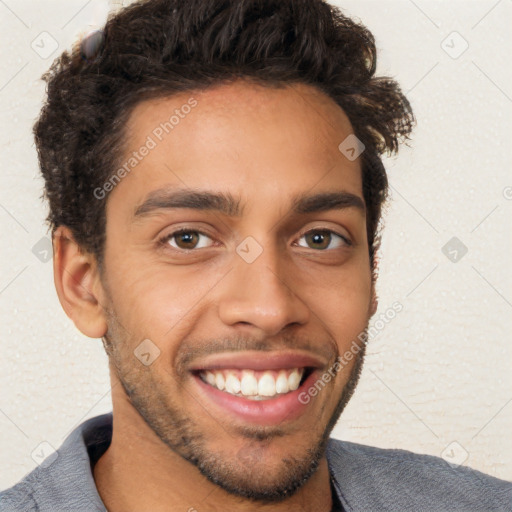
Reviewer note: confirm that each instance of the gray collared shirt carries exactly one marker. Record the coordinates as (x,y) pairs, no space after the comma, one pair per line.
(365,479)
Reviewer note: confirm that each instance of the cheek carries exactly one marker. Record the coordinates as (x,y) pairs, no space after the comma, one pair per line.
(342,301)
(158,301)
(346,314)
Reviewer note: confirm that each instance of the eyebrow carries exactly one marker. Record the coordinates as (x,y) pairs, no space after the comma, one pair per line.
(227,204)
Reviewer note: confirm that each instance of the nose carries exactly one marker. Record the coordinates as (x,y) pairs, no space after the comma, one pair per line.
(262,294)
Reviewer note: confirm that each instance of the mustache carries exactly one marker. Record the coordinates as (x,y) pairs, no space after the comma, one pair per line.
(191,350)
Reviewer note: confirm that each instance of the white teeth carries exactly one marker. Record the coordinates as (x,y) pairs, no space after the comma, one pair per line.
(282,383)
(219,381)
(232,384)
(248,384)
(267,385)
(294,380)
(210,378)
(254,385)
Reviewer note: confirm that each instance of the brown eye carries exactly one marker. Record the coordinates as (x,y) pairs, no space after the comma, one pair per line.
(321,239)
(186,239)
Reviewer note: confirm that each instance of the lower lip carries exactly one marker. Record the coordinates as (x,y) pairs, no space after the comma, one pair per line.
(286,407)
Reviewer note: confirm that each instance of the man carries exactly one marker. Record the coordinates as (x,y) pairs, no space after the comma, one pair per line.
(215,186)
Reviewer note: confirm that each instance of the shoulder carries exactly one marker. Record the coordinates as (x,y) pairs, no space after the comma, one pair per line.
(64,480)
(20,497)
(390,479)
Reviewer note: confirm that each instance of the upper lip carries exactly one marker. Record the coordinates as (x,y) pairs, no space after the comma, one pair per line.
(258,360)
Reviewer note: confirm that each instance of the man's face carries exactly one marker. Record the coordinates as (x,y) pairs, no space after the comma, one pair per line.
(255,299)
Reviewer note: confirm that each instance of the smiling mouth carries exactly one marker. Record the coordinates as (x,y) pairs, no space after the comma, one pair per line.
(255,384)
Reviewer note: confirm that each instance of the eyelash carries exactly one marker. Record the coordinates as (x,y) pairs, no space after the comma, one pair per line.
(164,241)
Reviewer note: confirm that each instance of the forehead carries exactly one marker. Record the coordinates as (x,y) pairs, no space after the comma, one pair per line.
(246,96)
(240,136)
(232,113)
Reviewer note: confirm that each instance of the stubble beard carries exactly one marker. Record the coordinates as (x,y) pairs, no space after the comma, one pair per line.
(246,475)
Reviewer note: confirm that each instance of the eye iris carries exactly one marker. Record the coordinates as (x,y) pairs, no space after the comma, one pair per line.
(317,237)
(187,237)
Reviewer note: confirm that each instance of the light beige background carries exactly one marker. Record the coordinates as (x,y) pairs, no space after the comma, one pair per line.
(438,377)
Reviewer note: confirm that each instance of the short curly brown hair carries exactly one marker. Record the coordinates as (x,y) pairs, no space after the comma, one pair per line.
(157,48)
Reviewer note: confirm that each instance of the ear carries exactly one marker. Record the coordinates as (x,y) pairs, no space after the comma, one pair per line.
(78,284)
